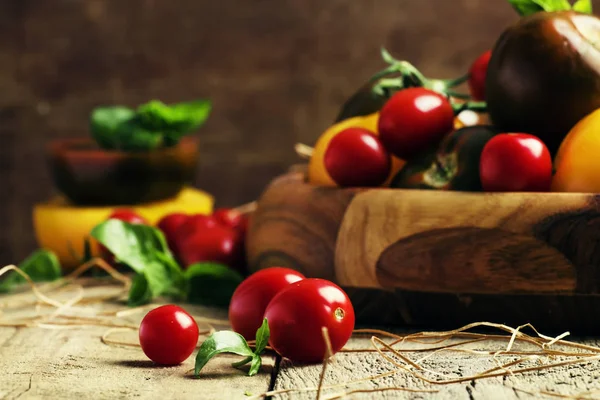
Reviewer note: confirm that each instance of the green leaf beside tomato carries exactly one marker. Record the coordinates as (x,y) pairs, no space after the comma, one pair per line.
(41,266)
(144,249)
(233,342)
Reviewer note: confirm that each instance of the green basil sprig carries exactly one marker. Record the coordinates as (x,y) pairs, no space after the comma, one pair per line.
(144,249)
(41,266)
(232,342)
(151,126)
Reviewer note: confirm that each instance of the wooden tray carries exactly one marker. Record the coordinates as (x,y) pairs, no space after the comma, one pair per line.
(439,259)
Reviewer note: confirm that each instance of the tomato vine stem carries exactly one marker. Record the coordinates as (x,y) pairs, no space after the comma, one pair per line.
(400,74)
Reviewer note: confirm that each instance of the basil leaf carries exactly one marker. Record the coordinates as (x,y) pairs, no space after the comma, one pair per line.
(105,123)
(144,249)
(554,5)
(583,6)
(174,120)
(525,7)
(262,337)
(140,292)
(131,136)
(211,283)
(528,7)
(41,266)
(221,342)
(255,365)
(132,244)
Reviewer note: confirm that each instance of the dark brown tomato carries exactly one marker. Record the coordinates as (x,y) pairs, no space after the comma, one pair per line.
(454,165)
(544,75)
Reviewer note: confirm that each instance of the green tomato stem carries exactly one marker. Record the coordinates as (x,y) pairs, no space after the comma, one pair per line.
(241,362)
(458,81)
(477,106)
(457,95)
(410,76)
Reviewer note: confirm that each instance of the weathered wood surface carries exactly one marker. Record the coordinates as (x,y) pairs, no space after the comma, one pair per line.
(39,363)
(73,363)
(345,367)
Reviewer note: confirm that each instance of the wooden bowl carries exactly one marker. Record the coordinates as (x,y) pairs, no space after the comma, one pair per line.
(439,259)
(88,175)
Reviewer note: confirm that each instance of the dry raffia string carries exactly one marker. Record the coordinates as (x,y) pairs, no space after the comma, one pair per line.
(57,318)
(513,367)
(60,317)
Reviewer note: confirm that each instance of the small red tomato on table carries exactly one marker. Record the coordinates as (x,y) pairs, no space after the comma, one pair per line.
(176,229)
(251,297)
(169,225)
(217,244)
(168,335)
(218,237)
(515,162)
(414,120)
(297,314)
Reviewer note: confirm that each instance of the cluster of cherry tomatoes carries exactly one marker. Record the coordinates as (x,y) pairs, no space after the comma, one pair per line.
(296,309)
(413,122)
(219,237)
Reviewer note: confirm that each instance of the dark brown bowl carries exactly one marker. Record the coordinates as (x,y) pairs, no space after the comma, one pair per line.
(88,175)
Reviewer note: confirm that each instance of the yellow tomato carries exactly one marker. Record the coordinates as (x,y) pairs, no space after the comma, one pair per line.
(577,163)
(317,174)
(63,227)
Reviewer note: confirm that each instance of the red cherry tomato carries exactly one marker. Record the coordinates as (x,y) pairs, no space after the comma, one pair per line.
(168,335)
(515,162)
(126,215)
(477,75)
(228,217)
(414,120)
(356,157)
(217,244)
(195,223)
(297,314)
(169,225)
(251,297)
(192,225)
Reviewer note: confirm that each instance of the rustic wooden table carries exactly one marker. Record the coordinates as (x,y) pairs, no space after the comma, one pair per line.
(70,352)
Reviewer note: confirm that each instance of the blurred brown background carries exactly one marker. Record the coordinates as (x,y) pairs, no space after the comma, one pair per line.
(276,70)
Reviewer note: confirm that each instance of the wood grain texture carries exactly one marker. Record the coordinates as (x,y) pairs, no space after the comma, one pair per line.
(277,72)
(429,258)
(462,259)
(462,242)
(296,226)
